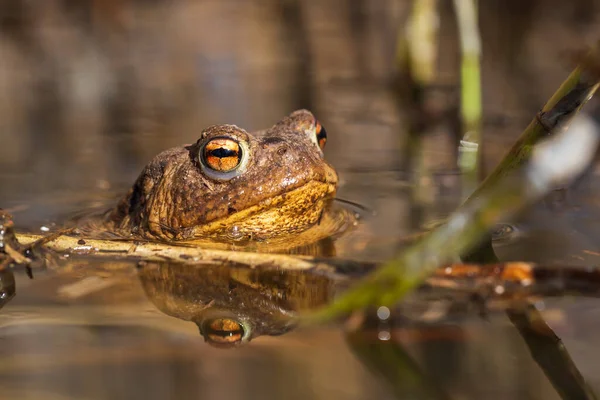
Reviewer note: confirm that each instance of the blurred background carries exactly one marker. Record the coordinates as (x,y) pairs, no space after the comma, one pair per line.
(91,90)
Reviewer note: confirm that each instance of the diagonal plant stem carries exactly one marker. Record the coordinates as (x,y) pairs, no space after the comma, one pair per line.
(503,193)
(567,100)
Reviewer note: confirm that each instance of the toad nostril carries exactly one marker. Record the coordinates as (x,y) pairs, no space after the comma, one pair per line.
(282,150)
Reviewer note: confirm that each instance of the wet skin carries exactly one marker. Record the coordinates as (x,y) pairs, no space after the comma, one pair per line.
(232,185)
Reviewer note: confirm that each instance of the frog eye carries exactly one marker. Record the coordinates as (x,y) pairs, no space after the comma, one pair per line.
(225,332)
(222,154)
(223,158)
(320,135)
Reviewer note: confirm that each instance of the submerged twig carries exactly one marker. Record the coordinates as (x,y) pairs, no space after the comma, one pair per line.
(550,353)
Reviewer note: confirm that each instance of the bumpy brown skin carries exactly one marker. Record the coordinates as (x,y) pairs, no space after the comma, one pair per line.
(284,189)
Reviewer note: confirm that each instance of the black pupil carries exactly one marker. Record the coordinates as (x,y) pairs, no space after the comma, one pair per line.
(222,152)
(226,334)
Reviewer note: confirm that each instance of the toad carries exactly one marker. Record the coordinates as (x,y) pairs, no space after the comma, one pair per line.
(232,185)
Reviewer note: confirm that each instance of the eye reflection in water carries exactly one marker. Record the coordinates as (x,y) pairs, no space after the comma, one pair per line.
(233,304)
(225,331)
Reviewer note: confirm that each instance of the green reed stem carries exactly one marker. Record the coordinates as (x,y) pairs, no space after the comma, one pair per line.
(502,194)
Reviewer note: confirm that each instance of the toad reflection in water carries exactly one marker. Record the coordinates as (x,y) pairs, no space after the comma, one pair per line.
(233,304)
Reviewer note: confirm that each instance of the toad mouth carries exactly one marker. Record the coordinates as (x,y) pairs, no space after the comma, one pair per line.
(288,212)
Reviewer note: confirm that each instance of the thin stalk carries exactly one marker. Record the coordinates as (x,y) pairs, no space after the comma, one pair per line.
(416,57)
(470,108)
(418,43)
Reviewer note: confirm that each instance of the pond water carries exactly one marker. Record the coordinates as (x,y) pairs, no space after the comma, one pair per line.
(89,93)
